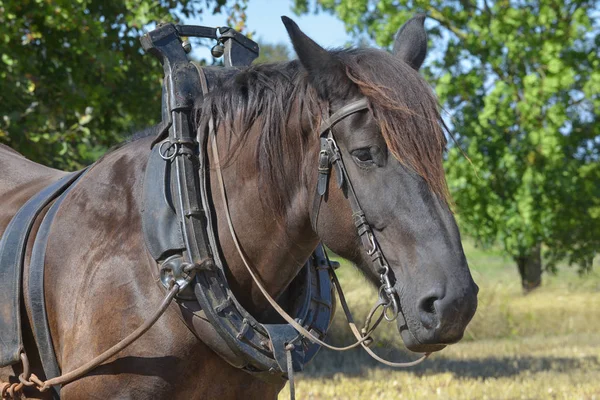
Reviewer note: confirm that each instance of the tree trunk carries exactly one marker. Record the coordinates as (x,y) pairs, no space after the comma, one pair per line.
(530,268)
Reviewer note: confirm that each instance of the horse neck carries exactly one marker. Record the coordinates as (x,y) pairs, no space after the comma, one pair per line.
(277,246)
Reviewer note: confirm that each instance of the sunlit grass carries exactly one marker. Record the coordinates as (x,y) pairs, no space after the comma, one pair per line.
(545,345)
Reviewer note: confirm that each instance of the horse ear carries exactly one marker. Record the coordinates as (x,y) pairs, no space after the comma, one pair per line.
(411,42)
(326,73)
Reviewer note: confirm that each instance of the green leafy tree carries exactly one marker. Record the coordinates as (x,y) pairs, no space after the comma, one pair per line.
(521,82)
(73,77)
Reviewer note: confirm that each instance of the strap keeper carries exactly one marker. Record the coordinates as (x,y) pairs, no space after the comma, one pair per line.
(363,228)
(360,220)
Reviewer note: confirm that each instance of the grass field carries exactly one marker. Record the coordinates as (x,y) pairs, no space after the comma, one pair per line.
(545,345)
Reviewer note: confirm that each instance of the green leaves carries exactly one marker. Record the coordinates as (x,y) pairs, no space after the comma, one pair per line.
(522,84)
(73,78)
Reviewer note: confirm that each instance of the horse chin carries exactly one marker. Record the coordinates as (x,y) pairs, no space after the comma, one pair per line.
(412,343)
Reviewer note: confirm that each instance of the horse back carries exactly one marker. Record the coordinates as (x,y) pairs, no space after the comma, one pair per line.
(20,179)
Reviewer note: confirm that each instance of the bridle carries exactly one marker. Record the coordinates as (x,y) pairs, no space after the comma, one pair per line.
(329,156)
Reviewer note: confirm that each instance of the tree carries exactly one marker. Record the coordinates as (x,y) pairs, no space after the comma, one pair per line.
(73,77)
(521,82)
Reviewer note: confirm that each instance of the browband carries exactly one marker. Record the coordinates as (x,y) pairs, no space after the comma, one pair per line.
(342,113)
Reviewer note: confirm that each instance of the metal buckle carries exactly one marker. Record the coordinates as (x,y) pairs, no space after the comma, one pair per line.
(324,162)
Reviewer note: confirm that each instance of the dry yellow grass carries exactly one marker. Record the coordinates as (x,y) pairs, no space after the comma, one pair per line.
(545,345)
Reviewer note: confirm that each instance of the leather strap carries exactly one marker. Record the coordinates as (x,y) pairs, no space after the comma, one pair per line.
(36,299)
(160,226)
(12,253)
(329,156)
(348,109)
(290,369)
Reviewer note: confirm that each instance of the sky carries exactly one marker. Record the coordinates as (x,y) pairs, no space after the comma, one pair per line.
(264,19)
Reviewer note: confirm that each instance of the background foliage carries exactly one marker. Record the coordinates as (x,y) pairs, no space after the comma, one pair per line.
(521,82)
(73,77)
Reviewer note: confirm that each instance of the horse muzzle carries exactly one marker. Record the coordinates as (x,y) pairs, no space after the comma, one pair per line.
(438,318)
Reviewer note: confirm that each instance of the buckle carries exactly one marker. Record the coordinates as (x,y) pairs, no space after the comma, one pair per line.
(324,163)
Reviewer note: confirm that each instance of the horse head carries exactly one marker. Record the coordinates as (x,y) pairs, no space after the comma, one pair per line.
(392,152)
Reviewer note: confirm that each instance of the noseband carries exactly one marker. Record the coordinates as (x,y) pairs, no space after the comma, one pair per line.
(329,156)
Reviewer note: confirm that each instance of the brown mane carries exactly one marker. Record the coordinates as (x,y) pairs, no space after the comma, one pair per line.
(260,97)
(406,111)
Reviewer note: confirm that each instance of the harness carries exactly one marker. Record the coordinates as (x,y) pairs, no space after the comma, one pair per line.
(176,198)
(12,255)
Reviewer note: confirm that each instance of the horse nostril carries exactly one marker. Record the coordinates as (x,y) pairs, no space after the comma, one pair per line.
(428,313)
(428,306)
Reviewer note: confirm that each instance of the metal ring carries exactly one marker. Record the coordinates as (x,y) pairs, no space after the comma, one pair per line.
(24,376)
(394,309)
(383,296)
(41,385)
(25,362)
(389,301)
(24,381)
(4,389)
(164,151)
(14,388)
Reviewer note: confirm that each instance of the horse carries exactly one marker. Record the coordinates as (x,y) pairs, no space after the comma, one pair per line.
(101,283)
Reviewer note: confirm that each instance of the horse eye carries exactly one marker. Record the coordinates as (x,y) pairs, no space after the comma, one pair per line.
(363,155)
